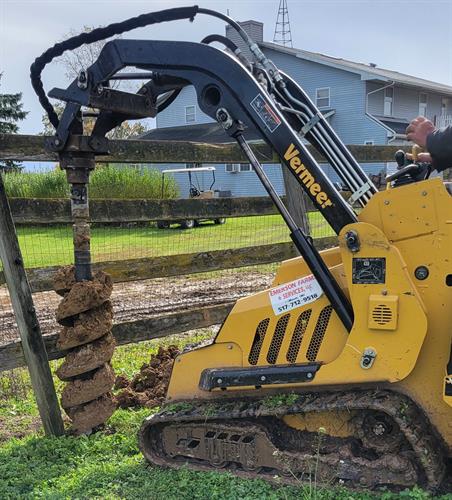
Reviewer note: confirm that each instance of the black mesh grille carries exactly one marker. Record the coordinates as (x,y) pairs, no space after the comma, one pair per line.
(277,339)
(319,332)
(297,337)
(259,336)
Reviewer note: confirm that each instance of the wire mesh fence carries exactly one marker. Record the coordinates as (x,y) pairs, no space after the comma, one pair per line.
(51,245)
(45,245)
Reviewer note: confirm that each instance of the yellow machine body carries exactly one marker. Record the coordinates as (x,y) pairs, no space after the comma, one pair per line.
(402,332)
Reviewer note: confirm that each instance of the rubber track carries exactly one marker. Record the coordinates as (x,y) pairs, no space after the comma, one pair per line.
(417,430)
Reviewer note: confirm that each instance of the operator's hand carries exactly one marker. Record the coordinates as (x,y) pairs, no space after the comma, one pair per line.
(421,157)
(418,130)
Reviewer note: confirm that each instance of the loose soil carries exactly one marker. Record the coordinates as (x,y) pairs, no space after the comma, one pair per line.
(88,326)
(84,296)
(144,299)
(82,390)
(148,387)
(87,357)
(86,417)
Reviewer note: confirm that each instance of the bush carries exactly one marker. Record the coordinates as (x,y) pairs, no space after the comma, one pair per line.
(110,182)
(36,185)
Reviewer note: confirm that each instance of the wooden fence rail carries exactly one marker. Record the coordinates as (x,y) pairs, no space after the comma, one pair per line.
(31,148)
(11,355)
(46,211)
(41,278)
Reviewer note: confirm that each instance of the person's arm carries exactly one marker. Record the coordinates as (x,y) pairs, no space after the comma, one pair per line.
(438,142)
(439,145)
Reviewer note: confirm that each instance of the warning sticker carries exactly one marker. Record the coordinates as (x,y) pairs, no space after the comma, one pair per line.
(265,113)
(294,294)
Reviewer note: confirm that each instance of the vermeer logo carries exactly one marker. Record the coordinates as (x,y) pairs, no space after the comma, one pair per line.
(291,156)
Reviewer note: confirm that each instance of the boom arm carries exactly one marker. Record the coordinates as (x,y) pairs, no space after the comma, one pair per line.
(221,84)
(237,95)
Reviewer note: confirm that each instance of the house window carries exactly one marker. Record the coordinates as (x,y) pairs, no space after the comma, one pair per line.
(190,114)
(389,97)
(322,97)
(238,167)
(445,106)
(232,167)
(422,104)
(369,142)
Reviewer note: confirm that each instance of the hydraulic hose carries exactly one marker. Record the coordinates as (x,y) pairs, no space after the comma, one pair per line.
(116,29)
(221,39)
(95,36)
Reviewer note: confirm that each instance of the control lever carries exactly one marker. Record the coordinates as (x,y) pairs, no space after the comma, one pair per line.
(416,171)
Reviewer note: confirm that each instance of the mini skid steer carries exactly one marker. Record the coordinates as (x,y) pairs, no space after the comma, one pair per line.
(343,368)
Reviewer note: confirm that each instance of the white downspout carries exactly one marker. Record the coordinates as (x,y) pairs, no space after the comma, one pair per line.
(389,129)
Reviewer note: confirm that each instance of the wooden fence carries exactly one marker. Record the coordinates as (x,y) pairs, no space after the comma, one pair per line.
(39,211)
(31,148)
(48,212)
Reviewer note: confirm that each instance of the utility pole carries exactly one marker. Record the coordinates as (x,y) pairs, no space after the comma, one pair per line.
(282,34)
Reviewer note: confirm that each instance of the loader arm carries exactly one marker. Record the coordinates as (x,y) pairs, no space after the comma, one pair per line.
(230,94)
(221,83)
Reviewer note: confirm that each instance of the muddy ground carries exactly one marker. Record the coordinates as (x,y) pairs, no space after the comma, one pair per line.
(144,299)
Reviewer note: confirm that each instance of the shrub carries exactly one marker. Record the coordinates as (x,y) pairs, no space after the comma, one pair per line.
(108,181)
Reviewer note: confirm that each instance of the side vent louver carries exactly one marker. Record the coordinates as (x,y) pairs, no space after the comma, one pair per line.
(277,339)
(297,337)
(319,332)
(259,336)
(382,314)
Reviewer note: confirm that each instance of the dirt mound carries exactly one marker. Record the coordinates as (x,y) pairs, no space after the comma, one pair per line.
(148,387)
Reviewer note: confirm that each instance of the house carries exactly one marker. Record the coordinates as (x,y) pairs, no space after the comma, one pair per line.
(365,104)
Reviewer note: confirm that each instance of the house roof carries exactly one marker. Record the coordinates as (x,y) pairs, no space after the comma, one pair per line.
(367,71)
(211,133)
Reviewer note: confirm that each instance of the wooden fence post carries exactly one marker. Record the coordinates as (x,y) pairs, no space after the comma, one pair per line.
(27,322)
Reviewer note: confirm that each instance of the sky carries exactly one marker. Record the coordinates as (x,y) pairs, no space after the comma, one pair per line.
(410,36)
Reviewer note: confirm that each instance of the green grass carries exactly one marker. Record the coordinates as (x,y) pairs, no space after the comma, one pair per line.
(111,466)
(52,245)
(116,183)
(108,464)
(17,405)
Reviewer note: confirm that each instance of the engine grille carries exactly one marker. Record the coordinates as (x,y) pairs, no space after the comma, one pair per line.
(297,336)
(277,339)
(296,341)
(319,333)
(259,336)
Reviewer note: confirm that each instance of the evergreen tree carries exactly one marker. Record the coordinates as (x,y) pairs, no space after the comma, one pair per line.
(10,113)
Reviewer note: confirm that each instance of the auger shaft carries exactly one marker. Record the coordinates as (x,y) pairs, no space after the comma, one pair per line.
(78,168)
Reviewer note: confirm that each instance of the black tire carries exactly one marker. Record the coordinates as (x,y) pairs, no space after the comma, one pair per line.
(222,220)
(187,224)
(163,224)
(197,223)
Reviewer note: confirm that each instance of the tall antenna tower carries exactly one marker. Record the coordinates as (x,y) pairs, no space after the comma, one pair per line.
(282,34)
